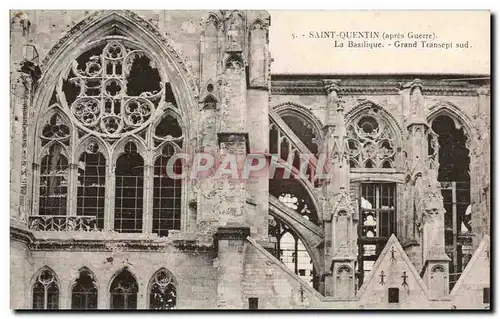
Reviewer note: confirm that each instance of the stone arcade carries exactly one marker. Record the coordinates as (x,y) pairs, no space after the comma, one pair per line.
(100,100)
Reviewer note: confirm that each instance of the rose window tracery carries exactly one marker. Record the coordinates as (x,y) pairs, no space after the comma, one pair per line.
(109,100)
(371,144)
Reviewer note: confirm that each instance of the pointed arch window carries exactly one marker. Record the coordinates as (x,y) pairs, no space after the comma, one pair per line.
(123,291)
(54,174)
(46,291)
(84,291)
(371,141)
(113,92)
(129,179)
(91,184)
(163,293)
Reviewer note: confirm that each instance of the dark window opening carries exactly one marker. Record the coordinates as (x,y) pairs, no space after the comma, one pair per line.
(253,303)
(454,177)
(168,127)
(163,294)
(169,94)
(142,77)
(84,292)
(486,295)
(129,191)
(393,295)
(123,291)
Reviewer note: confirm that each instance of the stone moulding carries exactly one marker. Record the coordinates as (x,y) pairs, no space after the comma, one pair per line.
(42,240)
(362,84)
(232,233)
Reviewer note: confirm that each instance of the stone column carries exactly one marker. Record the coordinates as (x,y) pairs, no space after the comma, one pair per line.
(147,216)
(109,210)
(480,169)
(230,243)
(426,245)
(338,213)
(230,189)
(21,88)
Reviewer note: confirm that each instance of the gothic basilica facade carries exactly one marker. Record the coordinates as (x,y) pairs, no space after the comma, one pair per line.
(399,218)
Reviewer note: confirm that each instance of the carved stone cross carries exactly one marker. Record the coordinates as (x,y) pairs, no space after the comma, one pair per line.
(393,258)
(382,276)
(404,284)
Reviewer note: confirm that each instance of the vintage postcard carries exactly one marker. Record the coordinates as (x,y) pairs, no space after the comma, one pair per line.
(233,159)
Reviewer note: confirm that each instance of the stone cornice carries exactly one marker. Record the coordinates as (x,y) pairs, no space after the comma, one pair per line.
(232,232)
(141,243)
(445,85)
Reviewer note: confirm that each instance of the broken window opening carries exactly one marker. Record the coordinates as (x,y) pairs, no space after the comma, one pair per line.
(129,191)
(454,177)
(84,292)
(163,291)
(303,130)
(53,182)
(290,250)
(142,77)
(292,193)
(91,184)
(124,291)
(168,127)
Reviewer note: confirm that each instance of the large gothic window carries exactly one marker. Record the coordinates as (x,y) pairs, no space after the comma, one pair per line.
(162,294)
(111,122)
(84,291)
(454,177)
(46,291)
(123,291)
(373,141)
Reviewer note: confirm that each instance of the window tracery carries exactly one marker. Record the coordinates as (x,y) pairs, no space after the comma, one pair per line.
(163,293)
(111,93)
(46,291)
(119,89)
(55,129)
(371,142)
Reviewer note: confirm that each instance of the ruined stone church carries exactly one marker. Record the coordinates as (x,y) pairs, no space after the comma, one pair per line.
(101,100)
